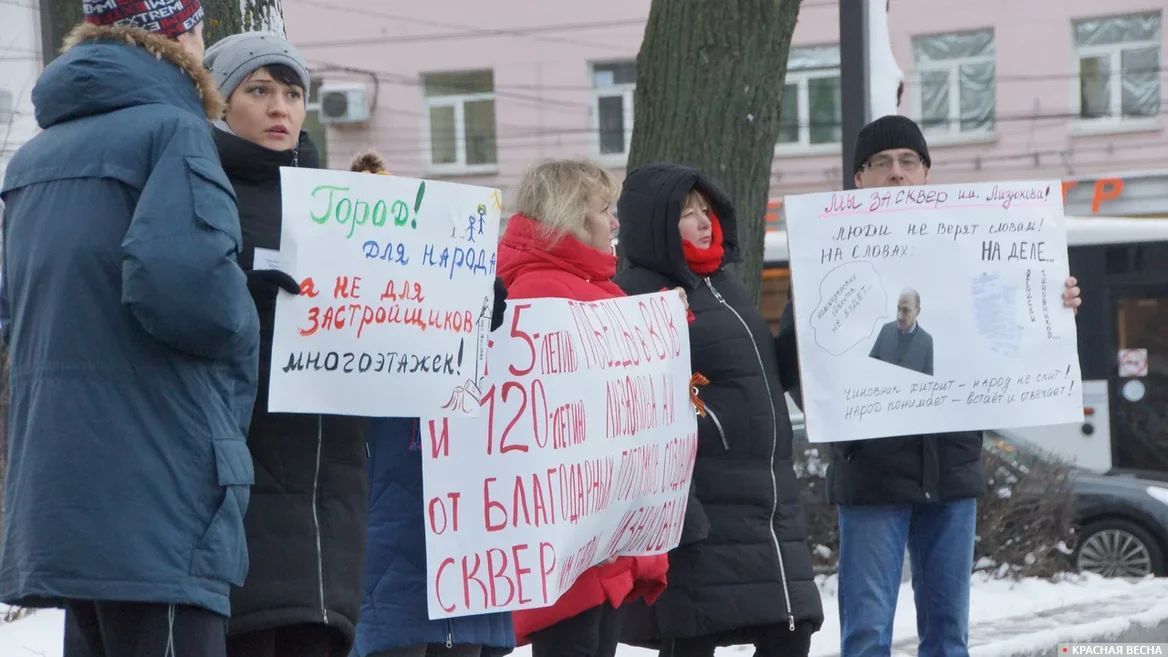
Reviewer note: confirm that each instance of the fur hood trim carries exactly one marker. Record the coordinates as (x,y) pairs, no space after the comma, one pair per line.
(162,48)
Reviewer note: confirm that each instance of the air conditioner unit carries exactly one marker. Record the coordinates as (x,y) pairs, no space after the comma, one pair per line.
(343,103)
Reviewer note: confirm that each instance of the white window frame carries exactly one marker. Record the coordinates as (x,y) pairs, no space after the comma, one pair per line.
(801,78)
(952,133)
(459,166)
(312,105)
(1116,121)
(627,92)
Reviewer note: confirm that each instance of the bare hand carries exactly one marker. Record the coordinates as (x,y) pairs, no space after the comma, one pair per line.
(684,298)
(1071,298)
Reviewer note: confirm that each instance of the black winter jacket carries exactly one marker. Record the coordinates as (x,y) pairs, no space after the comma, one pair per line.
(306,522)
(744,560)
(897,470)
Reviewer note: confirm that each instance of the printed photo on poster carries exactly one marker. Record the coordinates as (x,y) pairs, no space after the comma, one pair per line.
(904,342)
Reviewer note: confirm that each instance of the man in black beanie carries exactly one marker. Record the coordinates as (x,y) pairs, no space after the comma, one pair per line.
(917,491)
(891,152)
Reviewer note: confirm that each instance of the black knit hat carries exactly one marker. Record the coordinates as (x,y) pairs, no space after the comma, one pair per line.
(888,132)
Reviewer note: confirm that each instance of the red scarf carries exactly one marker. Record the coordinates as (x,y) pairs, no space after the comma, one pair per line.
(706,261)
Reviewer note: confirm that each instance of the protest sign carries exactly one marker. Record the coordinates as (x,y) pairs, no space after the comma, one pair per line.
(583,450)
(932,309)
(395,302)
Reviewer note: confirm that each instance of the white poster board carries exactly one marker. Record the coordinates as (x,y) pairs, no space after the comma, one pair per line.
(991,344)
(397,279)
(584,450)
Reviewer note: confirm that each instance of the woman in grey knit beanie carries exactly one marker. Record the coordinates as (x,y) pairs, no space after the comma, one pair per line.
(255,71)
(305,522)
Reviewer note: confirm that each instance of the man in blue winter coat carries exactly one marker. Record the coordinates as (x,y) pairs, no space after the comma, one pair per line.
(132,342)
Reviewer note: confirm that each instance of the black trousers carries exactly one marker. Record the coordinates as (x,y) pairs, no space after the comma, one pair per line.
(142,629)
(593,633)
(769,641)
(308,640)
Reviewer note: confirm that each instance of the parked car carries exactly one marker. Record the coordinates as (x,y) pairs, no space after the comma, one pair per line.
(1123,523)
(1120,518)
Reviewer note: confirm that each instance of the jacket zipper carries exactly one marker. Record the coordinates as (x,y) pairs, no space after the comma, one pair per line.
(316,516)
(718,426)
(449,634)
(774,445)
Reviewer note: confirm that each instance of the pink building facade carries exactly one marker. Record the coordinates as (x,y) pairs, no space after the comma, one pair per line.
(473,91)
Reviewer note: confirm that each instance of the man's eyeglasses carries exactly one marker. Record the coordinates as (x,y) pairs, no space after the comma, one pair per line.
(884,163)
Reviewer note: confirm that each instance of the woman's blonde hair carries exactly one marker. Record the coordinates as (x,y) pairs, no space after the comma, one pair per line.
(556,194)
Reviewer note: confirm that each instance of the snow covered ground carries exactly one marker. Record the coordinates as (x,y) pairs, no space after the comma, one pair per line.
(992,603)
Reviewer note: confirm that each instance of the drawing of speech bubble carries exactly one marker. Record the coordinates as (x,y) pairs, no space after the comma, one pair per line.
(852,301)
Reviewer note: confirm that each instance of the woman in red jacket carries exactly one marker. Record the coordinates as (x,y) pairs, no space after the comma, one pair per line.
(559,244)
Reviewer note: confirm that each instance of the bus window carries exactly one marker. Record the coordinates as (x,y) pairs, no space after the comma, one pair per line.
(1140,404)
(1135,258)
(776,274)
(773,294)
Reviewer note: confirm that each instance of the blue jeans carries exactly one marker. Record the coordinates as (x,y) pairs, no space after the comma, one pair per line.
(940,539)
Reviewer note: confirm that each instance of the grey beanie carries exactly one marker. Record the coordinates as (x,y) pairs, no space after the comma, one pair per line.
(234,58)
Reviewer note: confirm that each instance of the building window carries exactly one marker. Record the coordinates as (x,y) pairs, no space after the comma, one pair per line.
(1119,67)
(312,125)
(613,87)
(956,82)
(811,114)
(460,121)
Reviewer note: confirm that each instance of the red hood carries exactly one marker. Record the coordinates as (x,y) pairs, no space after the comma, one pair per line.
(523,251)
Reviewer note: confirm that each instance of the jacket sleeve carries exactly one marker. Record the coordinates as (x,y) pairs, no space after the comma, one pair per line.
(180,275)
(5,314)
(636,280)
(787,354)
(696,525)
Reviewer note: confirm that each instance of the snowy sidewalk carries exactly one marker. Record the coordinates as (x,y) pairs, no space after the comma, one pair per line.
(1135,617)
(1008,619)
(1028,617)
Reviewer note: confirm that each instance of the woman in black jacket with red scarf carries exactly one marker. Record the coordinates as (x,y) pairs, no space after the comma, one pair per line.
(743,572)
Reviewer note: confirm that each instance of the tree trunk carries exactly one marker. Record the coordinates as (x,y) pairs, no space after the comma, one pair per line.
(57,18)
(709,89)
(227,17)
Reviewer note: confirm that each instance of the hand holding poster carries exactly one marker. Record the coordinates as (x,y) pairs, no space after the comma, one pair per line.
(932,309)
(396,294)
(584,450)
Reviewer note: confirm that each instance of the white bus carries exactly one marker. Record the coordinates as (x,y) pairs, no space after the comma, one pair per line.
(1122,267)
